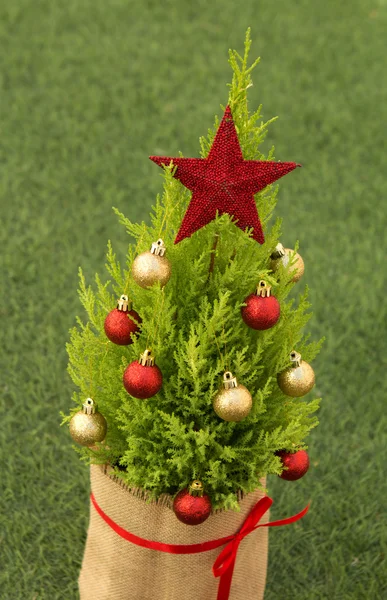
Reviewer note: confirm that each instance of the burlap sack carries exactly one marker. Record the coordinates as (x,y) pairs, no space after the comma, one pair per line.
(116,569)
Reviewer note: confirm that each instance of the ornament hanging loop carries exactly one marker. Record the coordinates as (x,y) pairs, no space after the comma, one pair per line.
(124,304)
(229,381)
(279,251)
(89,407)
(158,248)
(295,358)
(263,289)
(196,488)
(146,358)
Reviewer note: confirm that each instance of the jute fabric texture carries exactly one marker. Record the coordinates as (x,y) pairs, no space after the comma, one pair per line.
(116,569)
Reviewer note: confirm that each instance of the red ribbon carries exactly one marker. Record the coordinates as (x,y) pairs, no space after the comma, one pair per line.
(224,564)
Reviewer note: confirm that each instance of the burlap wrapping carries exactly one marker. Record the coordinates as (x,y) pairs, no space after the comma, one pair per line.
(115,569)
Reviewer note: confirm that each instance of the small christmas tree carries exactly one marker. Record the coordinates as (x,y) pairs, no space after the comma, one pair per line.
(193,353)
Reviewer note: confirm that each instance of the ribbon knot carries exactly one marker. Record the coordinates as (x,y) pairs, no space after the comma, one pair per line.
(226,559)
(224,565)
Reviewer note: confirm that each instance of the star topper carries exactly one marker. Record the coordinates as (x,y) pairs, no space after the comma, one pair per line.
(224,182)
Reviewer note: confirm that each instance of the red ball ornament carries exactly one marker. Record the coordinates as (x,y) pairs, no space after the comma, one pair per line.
(192,506)
(262,310)
(119,325)
(297,463)
(143,379)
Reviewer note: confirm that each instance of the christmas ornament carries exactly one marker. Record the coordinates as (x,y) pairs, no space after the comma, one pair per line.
(262,310)
(297,380)
(153,266)
(143,379)
(284,256)
(297,464)
(192,506)
(234,402)
(119,325)
(88,425)
(224,182)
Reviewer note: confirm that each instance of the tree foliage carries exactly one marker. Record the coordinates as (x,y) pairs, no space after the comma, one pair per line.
(195,330)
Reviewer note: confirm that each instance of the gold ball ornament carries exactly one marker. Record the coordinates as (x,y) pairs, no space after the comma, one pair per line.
(88,425)
(297,380)
(284,256)
(153,266)
(233,402)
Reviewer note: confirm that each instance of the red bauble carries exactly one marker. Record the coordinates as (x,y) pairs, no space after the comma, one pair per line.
(142,381)
(119,326)
(192,510)
(261,312)
(297,463)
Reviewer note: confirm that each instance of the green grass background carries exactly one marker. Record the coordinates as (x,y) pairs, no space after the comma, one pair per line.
(88,90)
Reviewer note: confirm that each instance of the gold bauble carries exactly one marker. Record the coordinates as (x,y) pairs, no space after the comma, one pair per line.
(284,256)
(88,425)
(150,267)
(297,380)
(233,402)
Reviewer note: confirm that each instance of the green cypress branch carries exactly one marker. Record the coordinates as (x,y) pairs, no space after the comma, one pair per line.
(196,332)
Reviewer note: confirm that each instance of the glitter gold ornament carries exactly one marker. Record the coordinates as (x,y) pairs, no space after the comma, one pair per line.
(284,256)
(153,266)
(88,425)
(234,402)
(119,324)
(192,506)
(297,380)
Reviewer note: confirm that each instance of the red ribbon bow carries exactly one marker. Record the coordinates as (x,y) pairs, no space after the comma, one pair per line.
(224,564)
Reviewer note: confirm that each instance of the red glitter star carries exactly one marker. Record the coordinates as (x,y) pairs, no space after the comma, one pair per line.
(224,182)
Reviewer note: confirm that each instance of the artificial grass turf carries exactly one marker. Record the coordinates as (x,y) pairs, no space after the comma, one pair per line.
(88,90)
